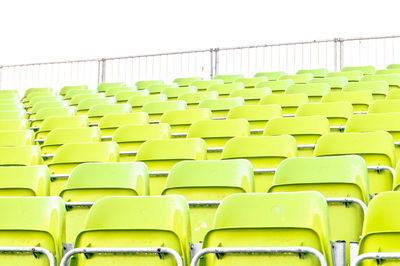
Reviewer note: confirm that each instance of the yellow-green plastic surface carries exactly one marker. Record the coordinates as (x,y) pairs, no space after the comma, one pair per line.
(193,99)
(384,106)
(314,91)
(298,78)
(359,99)
(16,124)
(12,115)
(112,92)
(352,76)
(156,109)
(123,96)
(387,71)
(185,82)
(108,124)
(376,148)
(73,92)
(393,95)
(224,90)
(37,99)
(138,102)
(270,220)
(103,87)
(336,83)
(366,70)
(251,96)
(97,111)
(272,76)
(392,79)
(208,180)
(288,102)
(251,82)
(40,105)
(317,73)
(181,120)
(229,78)
(54,122)
(221,107)
(204,84)
(86,104)
(20,156)
(32,90)
(144,84)
(378,89)
(47,112)
(75,100)
(393,66)
(156,89)
(174,93)
(64,90)
(11,107)
(12,138)
(162,155)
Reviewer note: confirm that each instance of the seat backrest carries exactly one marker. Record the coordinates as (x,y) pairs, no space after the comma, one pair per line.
(102,87)
(20,156)
(393,95)
(111,92)
(272,76)
(144,84)
(352,76)
(274,219)
(54,122)
(34,94)
(366,70)
(336,112)
(334,82)
(277,87)
(123,96)
(11,106)
(101,110)
(389,122)
(33,90)
(359,99)
(156,89)
(251,82)
(311,90)
(387,71)
(113,121)
(221,104)
(12,115)
(393,66)
(73,92)
(40,105)
(76,99)
(173,93)
(16,124)
(60,136)
(12,138)
(21,181)
(226,89)
(32,220)
(185,82)
(286,101)
(180,120)
(384,106)
(150,221)
(299,78)
(162,107)
(140,133)
(392,79)
(64,90)
(317,73)
(204,84)
(377,88)
(139,101)
(86,104)
(229,78)
(251,96)
(44,113)
(193,99)
(37,99)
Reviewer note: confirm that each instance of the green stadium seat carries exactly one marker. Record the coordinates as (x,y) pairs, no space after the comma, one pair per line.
(90,182)
(393,95)
(20,156)
(34,94)
(288,102)
(32,222)
(123,96)
(299,78)
(277,87)
(352,76)
(60,136)
(76,99)
(366,70)
(37,99)
(251,96)
(224,90)
(380,229)
(98,111)
(16,124)
(160,155)
(193,99)
(85,105)
(9,101)
(186,82)
(136,222)
(270,220)
(41,105)
(393,66)
(314,91)
(359,99)
(174,93)
(217,132)
(204,84)
(145,84)
(108,124)
(157,89)
(384,106)
(103,87)
(44,113)
(396,184)
(305,129)
(156,109)
(54,122)
(336,83)
(264,152)
(24,181)
(64,90)
(317,73)
(137,102)
(376,148)
(272,76)
(392,79)
(70,155)
(10,96)
(342,180)
(256,115)
(389,122)
(387,71)
(181,120)
(12,138)
(8,91)
(378,89)
(229,78)
(33,90)
(73,92)
(208,182)
(131,137)
(112,92)
(337,112)
(251,83)
(221,107)
(12,115)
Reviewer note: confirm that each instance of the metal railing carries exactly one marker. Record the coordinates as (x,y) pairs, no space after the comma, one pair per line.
(289,57)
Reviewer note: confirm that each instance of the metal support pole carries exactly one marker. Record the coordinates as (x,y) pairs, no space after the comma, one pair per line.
(102,73)
(341,53)
(216,62)
(339,253)
(335,43)
(211,63)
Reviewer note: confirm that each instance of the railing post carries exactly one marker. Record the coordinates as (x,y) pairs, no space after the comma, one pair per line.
(211,63)
(101,70)
(335,42)
(216,61)
(341,42)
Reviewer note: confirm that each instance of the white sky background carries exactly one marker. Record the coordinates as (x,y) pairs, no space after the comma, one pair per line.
(54,30)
